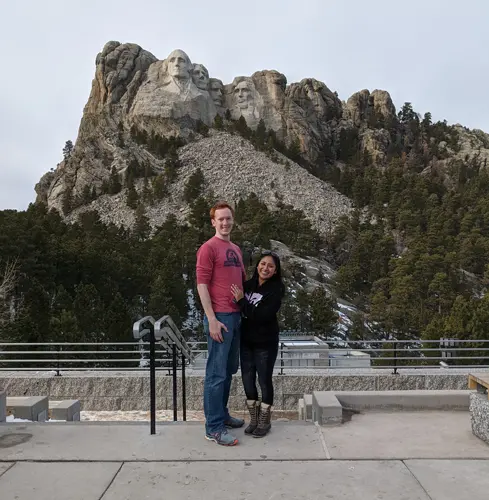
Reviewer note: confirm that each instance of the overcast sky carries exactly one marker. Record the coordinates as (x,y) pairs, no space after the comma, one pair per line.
(433,53)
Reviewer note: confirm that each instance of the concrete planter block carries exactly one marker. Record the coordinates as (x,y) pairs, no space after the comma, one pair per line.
(34,408)
(326,409)
(68,410)
(308,406)
(301,410)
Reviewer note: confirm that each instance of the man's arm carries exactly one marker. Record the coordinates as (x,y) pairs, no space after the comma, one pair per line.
(205,300)
(205,266)
(215,326)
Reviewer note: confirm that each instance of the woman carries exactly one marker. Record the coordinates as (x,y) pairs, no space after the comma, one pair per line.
(259,305)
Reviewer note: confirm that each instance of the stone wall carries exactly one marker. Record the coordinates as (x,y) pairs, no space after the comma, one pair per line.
(111,392)
(479,415)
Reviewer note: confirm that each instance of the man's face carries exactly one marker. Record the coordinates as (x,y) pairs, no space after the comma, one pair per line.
(243,94)
(178,64)
(201,77)
(223,222)
(216,91)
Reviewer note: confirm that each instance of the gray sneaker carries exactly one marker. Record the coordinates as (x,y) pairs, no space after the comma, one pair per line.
(234,423)
(223,438)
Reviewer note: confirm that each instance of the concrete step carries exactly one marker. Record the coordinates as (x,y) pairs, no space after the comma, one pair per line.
(326,409)
(305,408)
(33,408)
(329,407)
(68,410)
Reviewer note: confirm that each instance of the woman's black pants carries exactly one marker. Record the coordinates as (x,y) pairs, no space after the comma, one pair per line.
(258,359)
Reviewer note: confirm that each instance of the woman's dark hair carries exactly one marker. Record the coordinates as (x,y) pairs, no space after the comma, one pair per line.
(278,270)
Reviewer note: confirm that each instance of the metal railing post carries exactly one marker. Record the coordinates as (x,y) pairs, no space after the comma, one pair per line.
(58,349)
(184,393)
(175,399)
(152,378)
(281,358)
(395,359)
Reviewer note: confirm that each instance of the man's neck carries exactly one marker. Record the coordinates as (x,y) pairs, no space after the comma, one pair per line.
(224,238)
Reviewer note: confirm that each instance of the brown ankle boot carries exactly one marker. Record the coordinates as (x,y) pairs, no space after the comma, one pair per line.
(254,409)
(264,421)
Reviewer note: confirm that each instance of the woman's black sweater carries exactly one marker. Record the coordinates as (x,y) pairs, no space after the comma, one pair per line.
(259,309)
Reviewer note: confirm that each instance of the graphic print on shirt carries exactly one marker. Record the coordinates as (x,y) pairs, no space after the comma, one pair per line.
(254,298)
(232,259)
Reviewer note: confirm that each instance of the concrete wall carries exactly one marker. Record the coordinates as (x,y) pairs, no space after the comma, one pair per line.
(3,405)
(131,391)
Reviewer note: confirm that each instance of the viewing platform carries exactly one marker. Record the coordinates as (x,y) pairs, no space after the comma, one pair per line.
(422,455)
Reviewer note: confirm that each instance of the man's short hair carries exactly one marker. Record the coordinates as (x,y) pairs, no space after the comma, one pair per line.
(219,206)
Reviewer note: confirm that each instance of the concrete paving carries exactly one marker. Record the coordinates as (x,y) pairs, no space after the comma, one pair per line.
(4,467)
(444,479)
(173,442)
(67,481)
(269,480)
(405,435)
(430,456)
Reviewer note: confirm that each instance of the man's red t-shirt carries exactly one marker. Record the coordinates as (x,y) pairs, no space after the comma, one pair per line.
(219,265)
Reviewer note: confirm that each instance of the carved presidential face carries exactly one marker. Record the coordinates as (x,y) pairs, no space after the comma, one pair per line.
(200,76)
(179,65)
(243,94)
(216,91)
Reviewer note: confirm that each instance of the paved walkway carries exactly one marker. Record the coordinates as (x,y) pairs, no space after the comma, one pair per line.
(389,456)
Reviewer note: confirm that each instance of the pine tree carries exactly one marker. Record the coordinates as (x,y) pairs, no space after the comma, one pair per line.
(323,315)
(242,128)
(294,150)
(193,186)
(89,311)
(218,123)
(172,165)
(358,330)
(142,227)
(86,196)
(160,187)
(115,185)
(132,197)
(68,150)
(68,202)
(260,134)
(202,128)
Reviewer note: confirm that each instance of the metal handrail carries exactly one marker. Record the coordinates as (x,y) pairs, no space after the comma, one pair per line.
(383,354)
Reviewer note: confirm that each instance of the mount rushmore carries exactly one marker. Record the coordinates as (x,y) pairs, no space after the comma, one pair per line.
(134,90)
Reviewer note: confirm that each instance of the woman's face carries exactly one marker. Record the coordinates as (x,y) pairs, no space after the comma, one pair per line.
(266,268)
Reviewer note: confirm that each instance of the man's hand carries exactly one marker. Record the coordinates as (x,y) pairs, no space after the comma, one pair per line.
(215,330)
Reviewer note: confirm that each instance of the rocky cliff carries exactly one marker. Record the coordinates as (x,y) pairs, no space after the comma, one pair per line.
(134,92)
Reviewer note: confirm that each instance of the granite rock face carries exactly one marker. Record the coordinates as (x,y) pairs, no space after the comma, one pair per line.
(233,168)
(133,89)
(169,97)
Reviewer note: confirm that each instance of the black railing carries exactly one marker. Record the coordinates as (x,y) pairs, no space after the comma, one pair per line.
(396,355)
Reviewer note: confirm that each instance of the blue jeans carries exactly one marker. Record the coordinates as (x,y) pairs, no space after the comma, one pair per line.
(222,364)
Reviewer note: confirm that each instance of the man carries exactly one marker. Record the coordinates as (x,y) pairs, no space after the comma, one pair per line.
(220,265)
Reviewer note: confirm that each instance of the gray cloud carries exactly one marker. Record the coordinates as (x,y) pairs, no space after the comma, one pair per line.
(431,53)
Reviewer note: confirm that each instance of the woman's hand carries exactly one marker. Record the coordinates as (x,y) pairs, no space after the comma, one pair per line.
(237,292)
